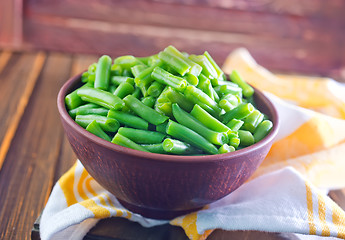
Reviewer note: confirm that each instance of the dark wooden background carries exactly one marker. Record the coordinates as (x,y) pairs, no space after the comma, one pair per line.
(288,36)
(44,42)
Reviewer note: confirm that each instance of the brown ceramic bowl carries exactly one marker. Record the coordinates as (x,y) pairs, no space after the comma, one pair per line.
(158,185)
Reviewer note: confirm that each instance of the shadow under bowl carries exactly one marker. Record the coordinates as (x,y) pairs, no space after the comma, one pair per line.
(163,186)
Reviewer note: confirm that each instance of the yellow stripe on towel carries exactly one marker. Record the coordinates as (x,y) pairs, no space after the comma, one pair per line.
(322,215)
(66,183)
(312,227)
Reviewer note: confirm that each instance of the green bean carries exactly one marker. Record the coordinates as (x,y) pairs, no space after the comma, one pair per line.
(262,130)
(215,65)
(117,80)
(154,148)
(153,60)
(125,142)
(112,88)
(123,90)
(116,70)
(233,99)
(201,97)
(128,119)
(92,68)
(225,148)
(246,138)
(93,127)
(100,97)
(178,64)
(247,90)
(235,142)
(235,124)
(72,100)
(137,69)
(185,134)
(107,124)
(166,78)
(136,93)
(94,111)
(141,136)
(127,73)
(191,79)
(226,82)
(252,121)
(73,112)
(184,118)
(162,127)
(127,61)
(164,108)
(239,112)
(177,147)
(103,72)
(208,120)
(226,89)
(207,68)
(205,85)
(85,77)
(195,69)
(144,111)
(155,89)
(180,99)
(226,105)
(148,101)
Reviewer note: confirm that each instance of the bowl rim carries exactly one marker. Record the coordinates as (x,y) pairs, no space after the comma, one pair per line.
(65,89)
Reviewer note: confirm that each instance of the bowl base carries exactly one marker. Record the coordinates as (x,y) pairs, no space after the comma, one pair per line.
(156,213)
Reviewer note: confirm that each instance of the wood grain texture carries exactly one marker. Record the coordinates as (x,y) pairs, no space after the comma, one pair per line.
(26,178)
(11,23)
(19,93)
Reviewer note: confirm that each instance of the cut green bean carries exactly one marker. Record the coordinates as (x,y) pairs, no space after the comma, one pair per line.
(94,111)
(117,80)
(127,61)
(141,136)
(94,128)
(125,142)
(201,97)
(73,112)
(235,142)
(178,64)
(207,68)
(107,124)
(128,119)
(226,89)
(164,77)
(100,97)
(206,86)
(103,72)
(239,112)
(72,100)
(137,93)
(185,134)
(184,118)
(123,90)
(262,130)
(226,105)
(225,148)
(154,148)
(162,128)
(148,101)
(180,99)
(195,69)
(191,79)
(208,120)
(155,89)
(214,64)
(116,70)
(174,146)
(246,138)
(247,90)
(252,121)
(164,108)
(137,69)
(144,111)
(235,124)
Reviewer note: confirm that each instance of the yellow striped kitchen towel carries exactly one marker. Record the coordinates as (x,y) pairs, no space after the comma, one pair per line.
(284,195)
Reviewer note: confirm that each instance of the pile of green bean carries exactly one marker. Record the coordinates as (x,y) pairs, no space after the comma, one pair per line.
(168,103)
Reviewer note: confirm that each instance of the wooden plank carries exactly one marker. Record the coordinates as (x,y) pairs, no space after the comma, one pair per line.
(11,23)
(278,54)
(4,58)
(15,96)
(27,175)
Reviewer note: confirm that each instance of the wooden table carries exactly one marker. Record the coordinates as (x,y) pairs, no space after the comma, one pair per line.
(34,152)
